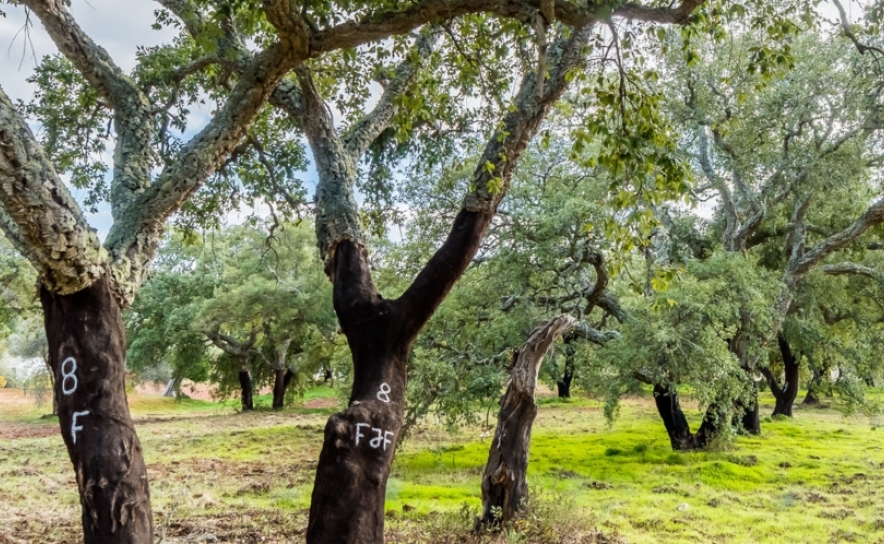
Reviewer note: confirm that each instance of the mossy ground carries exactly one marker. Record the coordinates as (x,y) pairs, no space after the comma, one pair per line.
(247,477)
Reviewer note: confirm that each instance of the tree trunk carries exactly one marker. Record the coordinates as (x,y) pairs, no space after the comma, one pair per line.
(505,483)
(677,427)
(87,355)
(347,505)
(564,384)
(245,385)
(747,415)
(812,398)
(169,391)
(785,396)
(282,378)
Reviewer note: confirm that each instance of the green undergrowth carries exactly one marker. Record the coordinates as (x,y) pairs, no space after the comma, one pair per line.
(814,478)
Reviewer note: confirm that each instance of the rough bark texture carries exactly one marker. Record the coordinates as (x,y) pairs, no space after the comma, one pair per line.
(360,441)
(677,427)
(86,351)
(505,482)
(785,396)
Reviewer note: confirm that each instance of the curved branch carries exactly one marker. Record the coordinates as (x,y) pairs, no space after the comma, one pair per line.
(39,215)
(874,215)
(853,268)
(366,131)
(384,24)
(134,237)
(132,111)
(502,152)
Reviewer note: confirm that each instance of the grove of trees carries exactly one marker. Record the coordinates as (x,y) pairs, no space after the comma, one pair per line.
(649,196)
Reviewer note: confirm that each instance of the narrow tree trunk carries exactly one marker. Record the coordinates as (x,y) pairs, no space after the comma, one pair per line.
(282,377)
(87,355)
(564,384)
(505,483)
(811,399)
(677,427)
(245,385)
(169,391)
(789,392)
(52,385)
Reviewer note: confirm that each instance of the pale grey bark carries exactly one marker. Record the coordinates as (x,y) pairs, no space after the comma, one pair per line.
(39,215)
(385,23)
(335,157)
(492,176)
(133,156)
(68,255)
(841,269)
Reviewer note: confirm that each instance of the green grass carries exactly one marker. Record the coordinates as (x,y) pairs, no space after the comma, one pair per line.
(814,478)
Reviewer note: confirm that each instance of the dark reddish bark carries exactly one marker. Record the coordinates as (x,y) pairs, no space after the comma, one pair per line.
(245,386)
(747,412)
(380,334)
(677,427)
(564,383)
(281,380)
(505,482)
(785,396)
(87,355)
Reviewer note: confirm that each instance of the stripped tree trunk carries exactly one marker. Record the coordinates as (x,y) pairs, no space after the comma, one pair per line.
(677,427)
(245,385)
(563,384)
(281,375)
(347,505)
(87,354)
(505,483)
(785,396)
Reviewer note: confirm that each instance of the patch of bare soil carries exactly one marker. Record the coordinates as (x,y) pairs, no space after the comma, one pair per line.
(13,431)
(321,403)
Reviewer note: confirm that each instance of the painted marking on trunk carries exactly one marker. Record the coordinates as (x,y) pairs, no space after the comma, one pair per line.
(380,439)
(68,375)
(358,434)
(384,393)
(74,426)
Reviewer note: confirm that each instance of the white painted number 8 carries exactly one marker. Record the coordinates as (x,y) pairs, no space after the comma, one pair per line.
(384,393)
(68,375)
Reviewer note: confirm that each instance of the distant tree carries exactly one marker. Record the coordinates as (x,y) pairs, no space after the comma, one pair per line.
(260,298)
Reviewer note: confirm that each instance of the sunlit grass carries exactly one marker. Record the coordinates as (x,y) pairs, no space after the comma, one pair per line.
(815,478)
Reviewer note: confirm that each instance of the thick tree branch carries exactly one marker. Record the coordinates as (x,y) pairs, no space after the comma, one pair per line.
(384,24)
(502,153)
(39,214)
(586,332)
(873,216)
(134,237)
(132,111)
(841,269)
(337,214)
(367,129)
